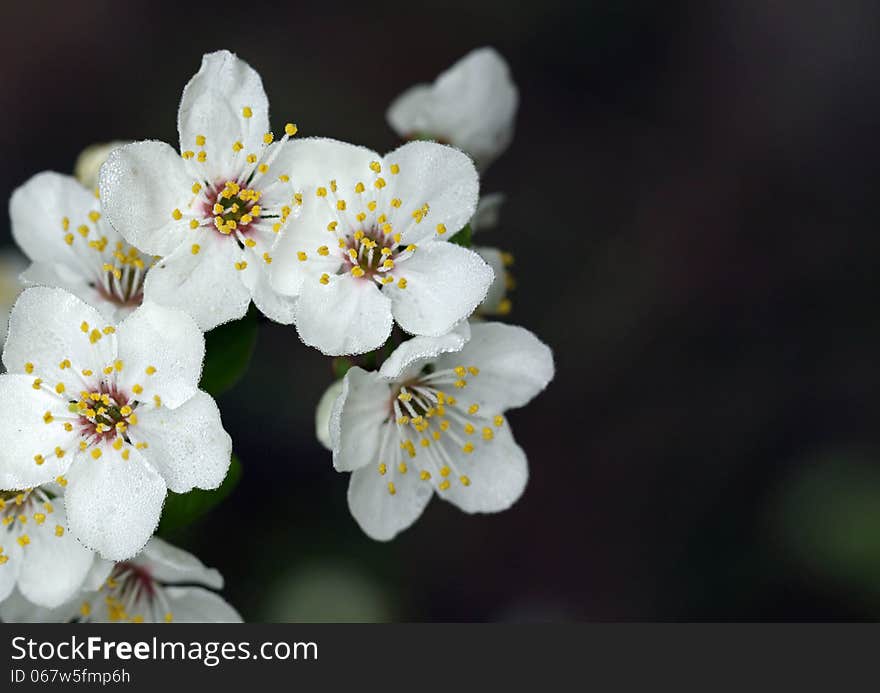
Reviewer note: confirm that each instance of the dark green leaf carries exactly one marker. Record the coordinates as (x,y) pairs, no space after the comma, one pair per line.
(228,351)
(182,509)
(463,237)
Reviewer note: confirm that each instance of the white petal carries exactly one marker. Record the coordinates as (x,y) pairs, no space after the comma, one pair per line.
(141,185)
(381,514)
(206,285)
(24,434)
(316,161)
(9,571)
(187,445)
(45,328)
(409,115)
(53,568)
(445,282)
(164,340)
(491,305)
(65,277)
(357,419)
(113,504)
(441,177)
(169,564)
(472,105)
(90,160)
(514,366)
(488,211)
(323,412)
(212,105)
(497,471)
(412,355)
(345,316)
(270,302)
(36,210)
(197,605)
(17,609)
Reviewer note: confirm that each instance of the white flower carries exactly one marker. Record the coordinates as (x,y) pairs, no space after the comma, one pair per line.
(371,243)
(213,211)
(58,224)
(12,264)
(37,553)
(90,160)
(472,105)
(113,413)
(431,420)
(162,584)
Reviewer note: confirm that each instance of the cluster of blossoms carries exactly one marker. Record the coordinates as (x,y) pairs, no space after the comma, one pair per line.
(149,247)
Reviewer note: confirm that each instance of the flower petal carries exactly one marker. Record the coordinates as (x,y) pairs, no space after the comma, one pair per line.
(357,419)
(205,285)
(488,212)
(345,316)
(445,282)
(409,358)
(113,504)
(9,572)
(197,605)
(17,609)
(212,106)
(168,563)
(270,302)
(316,161)
(441,177)
(187,445)
(63,276)
(496,471)
(25,434)
(37,209)
(381,514)
(471,105)
(161,350)
(491,305)
(53,567)
(141,185)
(514,366)
(46,327)
(323,412)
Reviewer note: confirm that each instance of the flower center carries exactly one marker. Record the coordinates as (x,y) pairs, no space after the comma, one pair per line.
(231,207)
(122,281)
(431,428)
(104,414)
(129,593)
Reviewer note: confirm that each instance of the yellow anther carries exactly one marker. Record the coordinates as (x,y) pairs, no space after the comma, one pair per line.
(388,264)
(237,147)
(325,278)
(83,230)
(241,265)
(141,446)
(250,242)
(321,192)
(177,214)
(465,480)
(444,470)
(488,433)
(380,183)
(301,256)
(201,156)
(444,485)
(118,443)
(157,401)
(402,467)
(290,129)
(24,540)
(267,258)
(48,418)
(59,531)
(169,617)
(382,468)
(268,137)
(396,202)
(498,420)
(424,475)
(467,448)
(401,283)
(61,481)
(359,188)
(195,249)
(469,429)
(395,169)
(262,168)
(200,140)
(391,488)
(125,411)
(424,442)
(94,216)
(357,271)
(65,223)
(126,454)
(323,250)
(375,166)
(84,327)
(96,453)
(441,229)
(137,389)
(188,154)
(37,384)
(39,459)
(95,336)
(29,368)
(340,205)
(39,518)
(247,112)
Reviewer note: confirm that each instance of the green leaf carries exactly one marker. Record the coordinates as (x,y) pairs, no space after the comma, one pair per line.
(182,509)
(228,351)
(463,237)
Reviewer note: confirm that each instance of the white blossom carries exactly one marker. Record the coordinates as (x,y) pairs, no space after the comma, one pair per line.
(112,413)
(431,420)
(213,211)
(370,246)
(472,105)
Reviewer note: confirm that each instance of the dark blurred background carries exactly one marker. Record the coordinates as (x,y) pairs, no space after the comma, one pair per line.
(691,202)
